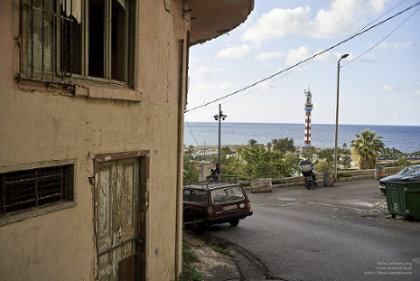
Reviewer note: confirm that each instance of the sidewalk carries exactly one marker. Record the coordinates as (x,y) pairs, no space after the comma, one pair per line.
(214,266)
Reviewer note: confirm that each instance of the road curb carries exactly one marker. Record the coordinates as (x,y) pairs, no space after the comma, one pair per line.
(249,267)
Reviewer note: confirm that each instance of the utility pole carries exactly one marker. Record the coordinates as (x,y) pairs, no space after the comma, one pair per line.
(219,117)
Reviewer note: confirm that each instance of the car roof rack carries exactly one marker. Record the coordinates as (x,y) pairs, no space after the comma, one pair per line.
(216,181)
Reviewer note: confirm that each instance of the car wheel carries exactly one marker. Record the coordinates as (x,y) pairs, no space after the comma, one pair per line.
(234,222)
(199,227)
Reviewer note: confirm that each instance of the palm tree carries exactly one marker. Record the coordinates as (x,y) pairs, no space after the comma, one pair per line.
(252,142)
(366,148)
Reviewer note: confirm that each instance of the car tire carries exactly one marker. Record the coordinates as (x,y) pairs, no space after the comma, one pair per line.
(234,222)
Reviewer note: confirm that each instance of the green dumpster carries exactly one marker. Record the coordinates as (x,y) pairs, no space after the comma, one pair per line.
(403,198)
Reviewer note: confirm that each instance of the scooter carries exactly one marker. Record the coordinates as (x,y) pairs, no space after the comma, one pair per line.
(307,168)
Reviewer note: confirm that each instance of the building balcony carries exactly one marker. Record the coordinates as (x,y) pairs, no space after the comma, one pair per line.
(212,18)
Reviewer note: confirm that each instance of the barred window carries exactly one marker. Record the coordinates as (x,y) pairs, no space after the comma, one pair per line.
(35,188)
(66,39)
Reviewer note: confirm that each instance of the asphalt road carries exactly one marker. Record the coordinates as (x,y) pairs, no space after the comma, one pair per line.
(335,233)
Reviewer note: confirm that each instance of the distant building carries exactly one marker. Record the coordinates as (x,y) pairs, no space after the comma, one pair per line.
(92,118)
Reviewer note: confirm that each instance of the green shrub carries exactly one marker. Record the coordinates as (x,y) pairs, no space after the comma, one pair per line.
(323,167)
(220,250)
(403,162)
(189,273)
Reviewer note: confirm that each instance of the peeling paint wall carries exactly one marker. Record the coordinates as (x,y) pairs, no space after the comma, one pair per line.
(38,126)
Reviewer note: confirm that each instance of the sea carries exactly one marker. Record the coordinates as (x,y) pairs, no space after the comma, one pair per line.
(403,138)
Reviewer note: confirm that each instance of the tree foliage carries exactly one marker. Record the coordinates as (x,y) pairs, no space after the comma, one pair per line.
(403,162)
(344,157)
(327,155)
(260,163)
(392,152)
(191,173)
(308,152)
(366,148)
(326,163)
(283,145)
(323,167)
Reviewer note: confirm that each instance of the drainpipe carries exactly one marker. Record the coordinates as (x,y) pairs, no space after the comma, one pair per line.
(183,52)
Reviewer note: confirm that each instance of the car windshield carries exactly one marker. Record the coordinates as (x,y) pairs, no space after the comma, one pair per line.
(226,195)
(410,171)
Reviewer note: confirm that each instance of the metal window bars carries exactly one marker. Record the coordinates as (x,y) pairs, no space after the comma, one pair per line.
(34,188)
(46,40)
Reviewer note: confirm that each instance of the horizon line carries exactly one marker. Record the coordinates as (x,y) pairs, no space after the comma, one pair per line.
(243,122)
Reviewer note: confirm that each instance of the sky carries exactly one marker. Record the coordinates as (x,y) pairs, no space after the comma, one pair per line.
(379,80)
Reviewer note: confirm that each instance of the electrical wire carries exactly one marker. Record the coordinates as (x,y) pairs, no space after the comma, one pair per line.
(380,41)
(256,89)
(366,26)
(305,60)
(192,133)
(387,12)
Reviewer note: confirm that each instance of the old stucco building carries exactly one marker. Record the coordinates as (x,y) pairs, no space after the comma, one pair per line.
(92,95)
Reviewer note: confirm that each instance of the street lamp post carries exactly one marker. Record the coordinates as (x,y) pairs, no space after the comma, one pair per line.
(336,115)
(219,117)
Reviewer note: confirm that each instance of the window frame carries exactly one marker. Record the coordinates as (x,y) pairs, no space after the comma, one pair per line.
(25,213)
(56,75)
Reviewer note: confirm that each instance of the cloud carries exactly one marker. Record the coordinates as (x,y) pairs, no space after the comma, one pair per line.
(395,45)
(192,59)
(268,85)
(341,18)
(389,88)
(278,23)
(377,5)
(268,56)
(207,71)
(225,85)
(297,55)
(417,92)
(234,52)
(212,87)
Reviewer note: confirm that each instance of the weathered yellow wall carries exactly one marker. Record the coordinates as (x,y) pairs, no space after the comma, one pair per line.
(39,126)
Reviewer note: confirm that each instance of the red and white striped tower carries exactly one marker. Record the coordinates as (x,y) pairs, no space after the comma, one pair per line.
(308,109)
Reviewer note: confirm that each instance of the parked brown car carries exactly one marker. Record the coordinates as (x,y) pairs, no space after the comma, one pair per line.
(215,202)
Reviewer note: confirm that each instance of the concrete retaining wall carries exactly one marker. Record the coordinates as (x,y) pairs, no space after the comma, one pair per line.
(261,185)
(350,175)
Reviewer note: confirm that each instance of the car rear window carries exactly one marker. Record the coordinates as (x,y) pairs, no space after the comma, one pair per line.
(226,195)
(198,196)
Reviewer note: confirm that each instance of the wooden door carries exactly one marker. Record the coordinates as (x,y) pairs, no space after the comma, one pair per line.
(117,219)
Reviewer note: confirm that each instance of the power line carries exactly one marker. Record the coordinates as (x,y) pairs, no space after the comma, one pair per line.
(364,30)
(256,89)
(192,133)
(380,41)
(381,16)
